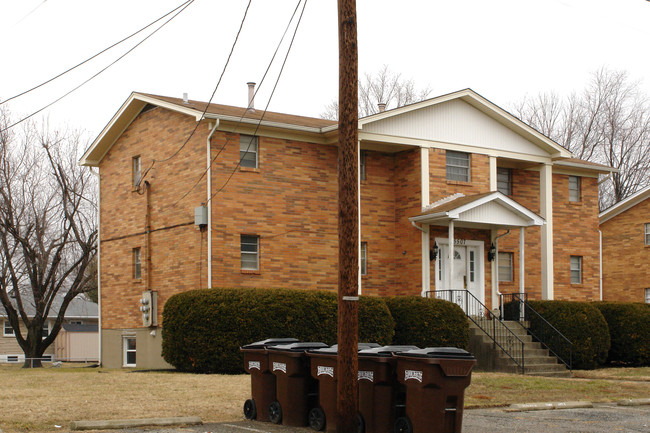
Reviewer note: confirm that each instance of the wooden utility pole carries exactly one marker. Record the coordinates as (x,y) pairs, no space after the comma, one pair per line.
(348,305)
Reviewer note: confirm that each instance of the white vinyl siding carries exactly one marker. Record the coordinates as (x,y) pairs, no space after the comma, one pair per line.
(364,258)
(250,247)
(248,151)
(576,269)
(574,188)
(458,166)
(504,181)
(505,267)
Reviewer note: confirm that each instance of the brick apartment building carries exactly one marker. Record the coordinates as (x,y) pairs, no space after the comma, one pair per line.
(455,167)
(625,229)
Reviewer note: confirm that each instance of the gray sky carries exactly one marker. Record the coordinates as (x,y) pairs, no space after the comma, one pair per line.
(502,49)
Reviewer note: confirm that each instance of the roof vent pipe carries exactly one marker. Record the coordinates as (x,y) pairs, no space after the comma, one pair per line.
(381,106)
(251,96)
(185,99)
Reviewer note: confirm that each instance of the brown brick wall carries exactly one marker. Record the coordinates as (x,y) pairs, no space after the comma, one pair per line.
(626,258)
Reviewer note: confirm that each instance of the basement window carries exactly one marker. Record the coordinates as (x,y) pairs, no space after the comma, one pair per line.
(129,351)
(647,296)
(13,358)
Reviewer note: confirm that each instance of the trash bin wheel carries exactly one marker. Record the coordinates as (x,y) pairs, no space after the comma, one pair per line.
(250,410)
(361,425)
(317,419)
(403,425)
(275,412)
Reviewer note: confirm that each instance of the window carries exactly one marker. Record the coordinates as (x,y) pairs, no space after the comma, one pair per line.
(137,170)
(363,259)
(574,188)
(8,331)
(576,269)
(647,296)
(13,358)
(505,267)
(647,233)
(362,165)
(129,351)
(137,265)
(46,330)
(457,166)
(472,266)
(248,151)
(504,181)
(76,322)
(250,248)
(46,358)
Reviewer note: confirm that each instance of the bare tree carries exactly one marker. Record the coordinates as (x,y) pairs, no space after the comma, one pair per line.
(385,87)
(48,232)
(608,123)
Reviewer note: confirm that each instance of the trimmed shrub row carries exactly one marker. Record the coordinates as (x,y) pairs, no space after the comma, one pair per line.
(629,330)
(204,329)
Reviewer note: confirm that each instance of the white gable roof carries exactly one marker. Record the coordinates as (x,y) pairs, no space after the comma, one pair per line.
(464,118)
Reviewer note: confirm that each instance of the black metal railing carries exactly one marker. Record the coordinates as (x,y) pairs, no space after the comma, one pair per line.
(516,308)
(502,337)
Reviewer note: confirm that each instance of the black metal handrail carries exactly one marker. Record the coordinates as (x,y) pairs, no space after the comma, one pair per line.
(545,333)
(503,337)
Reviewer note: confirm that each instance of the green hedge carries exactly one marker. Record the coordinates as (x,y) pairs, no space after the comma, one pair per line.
(426,322)
(582,323)
(203,329)
(629,330)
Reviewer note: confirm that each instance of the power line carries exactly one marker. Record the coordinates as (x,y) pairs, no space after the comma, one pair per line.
(241,118)
(187,4)
(232,49)
(94,56)
(268,103)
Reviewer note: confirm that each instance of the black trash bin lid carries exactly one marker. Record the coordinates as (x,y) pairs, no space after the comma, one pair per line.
(298,347)
(269,342)
(335,349)
(439,352)
(385,351)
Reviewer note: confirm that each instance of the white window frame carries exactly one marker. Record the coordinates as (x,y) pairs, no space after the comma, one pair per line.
(126,351)
(46,329)
(574,188)
(647,233)
(506,266)
(576,266)
(12,359)
(250,247)
(647,296)
(136,170)
(465,165)
(363,258)
(4,330)
(137,263)
(250,144)
(504,186)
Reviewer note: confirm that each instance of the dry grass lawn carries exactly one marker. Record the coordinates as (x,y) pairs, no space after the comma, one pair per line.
(37,400)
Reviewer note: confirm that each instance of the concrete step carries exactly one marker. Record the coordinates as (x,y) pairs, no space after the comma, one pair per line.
(559,373)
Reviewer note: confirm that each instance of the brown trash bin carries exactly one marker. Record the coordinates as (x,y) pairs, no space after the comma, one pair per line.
(296,390)
(323,368)
(435,380)
(256,363)
(380,394)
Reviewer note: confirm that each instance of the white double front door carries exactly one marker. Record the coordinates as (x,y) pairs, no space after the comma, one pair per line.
(467,273)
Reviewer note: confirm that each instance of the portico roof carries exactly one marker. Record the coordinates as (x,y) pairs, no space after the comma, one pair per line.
(491,210)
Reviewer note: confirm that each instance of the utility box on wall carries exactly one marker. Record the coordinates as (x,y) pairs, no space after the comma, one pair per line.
(201,216)
(149,308)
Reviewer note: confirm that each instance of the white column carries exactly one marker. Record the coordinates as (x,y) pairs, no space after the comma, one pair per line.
(522,290)
(546,209)
(493,173)
(424,175)
(450,272)
(494,271)
(359,214)
(426,261)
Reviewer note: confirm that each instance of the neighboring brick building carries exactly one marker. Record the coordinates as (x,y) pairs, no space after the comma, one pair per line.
(428,172)
(625,229)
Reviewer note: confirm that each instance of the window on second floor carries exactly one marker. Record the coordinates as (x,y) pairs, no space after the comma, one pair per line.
(248,151)
(8,331)
(504,181)
(574,188)
(647,233)
(362,165)
(458,166)
(576,269)
(136,169)
(46,330)
(137,265)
